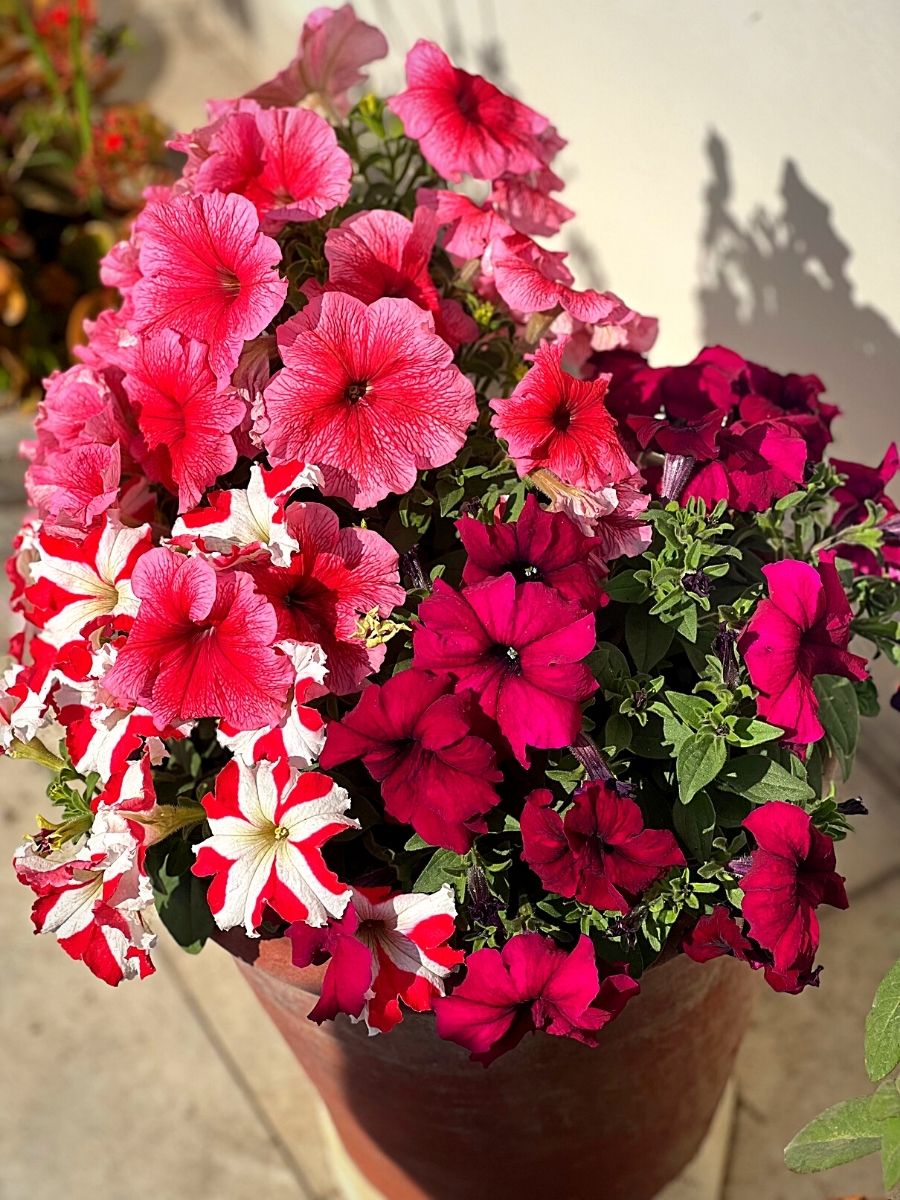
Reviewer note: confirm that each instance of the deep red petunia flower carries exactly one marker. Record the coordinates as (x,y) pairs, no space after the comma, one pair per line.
(802,630)
(201,646)
(184,412)
(519,648)
(757,465)
(368,393)
(538,547)
(208,273)
(337,576)
(462,122)
(599,852)
(554,420)
(530,984)
(792,873)
(864,483)
(717,934)
(417,741)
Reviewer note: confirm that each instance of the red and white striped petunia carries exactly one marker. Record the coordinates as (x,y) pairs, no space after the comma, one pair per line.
(80,581)
(269,824)
(253,517)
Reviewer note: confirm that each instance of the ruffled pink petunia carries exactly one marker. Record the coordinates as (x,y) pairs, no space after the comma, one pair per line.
(792,872)
(538,547)
(269,824)
(530,984)
(518,648)
(465,125)
(470,227)
(599,852)
(406,958)
(369,393)
(287,161)
(333,45)
(201,646)
(337,576)
(207,272)
(417,741)
(380,254)
(802,630)
(185,413)
(531,279)
(525,201)
(74,487)
(556,421)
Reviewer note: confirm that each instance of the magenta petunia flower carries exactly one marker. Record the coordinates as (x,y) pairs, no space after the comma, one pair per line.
(792,873)
(538,547)
(530,984)
(335,578)
(717,934)
(368,393)
(757,465)
(868,483)
(208,273)
(802,630)
(201,646)
(518,648)
(470,227)
(465,125)
(287,161)
(599,852)
(417,741)
(554,420)
(185,413)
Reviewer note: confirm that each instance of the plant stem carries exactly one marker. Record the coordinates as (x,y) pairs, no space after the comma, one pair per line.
(37,49)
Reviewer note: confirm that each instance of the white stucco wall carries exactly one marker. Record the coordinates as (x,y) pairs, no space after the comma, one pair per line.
(796,100)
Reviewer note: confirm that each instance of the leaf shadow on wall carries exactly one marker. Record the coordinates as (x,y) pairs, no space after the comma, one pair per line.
(775,287)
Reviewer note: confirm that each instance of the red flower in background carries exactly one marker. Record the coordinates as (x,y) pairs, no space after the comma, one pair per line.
(538,547)
(792,873)
(599,852)
(802,630)
(417,741)
(530,984)
(465,125)
(556,421)
(518,648)
(757,465)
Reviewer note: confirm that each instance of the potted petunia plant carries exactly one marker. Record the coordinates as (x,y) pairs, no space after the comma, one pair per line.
(387,618)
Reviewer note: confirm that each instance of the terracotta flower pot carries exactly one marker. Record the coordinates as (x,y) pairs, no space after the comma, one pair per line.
(552,1118)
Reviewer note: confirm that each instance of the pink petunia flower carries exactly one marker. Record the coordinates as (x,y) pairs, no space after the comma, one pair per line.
(417,742)
(530,984)
(370,394)
(207,272)
(269,824)
(525,201)
(185,413)
(462,122)
(599,852)
(792,873)
(201,646)
(538,547)
(287,161)
(333,45)
(470,227)
(380,254)
(518,648)
(337,576)
(385,949)
(802,630)
(556,421)
(74,487)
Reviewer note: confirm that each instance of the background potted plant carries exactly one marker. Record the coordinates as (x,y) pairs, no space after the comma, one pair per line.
(389,618)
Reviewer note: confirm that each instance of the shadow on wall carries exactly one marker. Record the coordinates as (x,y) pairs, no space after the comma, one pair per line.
(775,287)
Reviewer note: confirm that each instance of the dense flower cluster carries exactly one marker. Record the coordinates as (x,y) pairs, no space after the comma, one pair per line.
(379,594)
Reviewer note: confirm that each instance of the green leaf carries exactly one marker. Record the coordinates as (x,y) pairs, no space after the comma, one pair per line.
(648,639)
(686,625)
(700,759)
(617,732)
(180,897)
(624,588)
(695,824)
(746,731)
(443,867)
(883,1026)
(690,708)
(841,1134)
(760,780)
(839,713)
(609,665)
(417,843)
(890,1153)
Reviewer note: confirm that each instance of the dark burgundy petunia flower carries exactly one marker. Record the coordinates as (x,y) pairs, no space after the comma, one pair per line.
(792,873)
(538,547)
(868,483)
(518,648)
(599,852)
(530,984)
(417,741)
(718,934)
(757,465)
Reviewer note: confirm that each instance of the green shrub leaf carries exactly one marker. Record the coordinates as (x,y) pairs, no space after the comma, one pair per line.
(700,759)
(883,1027)
(841,1134)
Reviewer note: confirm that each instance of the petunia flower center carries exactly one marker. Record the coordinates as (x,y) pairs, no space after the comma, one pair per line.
(510,658)
(281,833)
(231,285)
(525,572)
(355,391)
(561,418)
